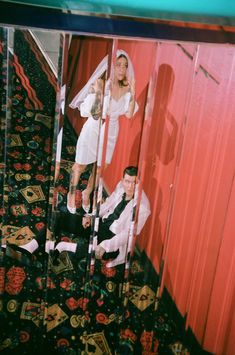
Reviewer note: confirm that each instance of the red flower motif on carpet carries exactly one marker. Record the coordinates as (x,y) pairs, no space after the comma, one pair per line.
(82,302)
(146,340)
(66,284)
(15,279)
(2,277)
(128,334)
(102,318)
(108,271)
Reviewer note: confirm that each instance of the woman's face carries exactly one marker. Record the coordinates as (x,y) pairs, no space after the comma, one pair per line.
(120,68)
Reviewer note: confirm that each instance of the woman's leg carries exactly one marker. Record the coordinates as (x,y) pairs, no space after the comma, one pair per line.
(57,170)
(76,172)
(93,182)
(88,190)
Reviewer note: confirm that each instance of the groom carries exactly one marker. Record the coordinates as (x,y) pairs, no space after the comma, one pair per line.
(114,231)
(116,220)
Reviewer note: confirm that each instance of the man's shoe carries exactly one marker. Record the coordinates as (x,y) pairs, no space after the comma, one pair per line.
(22,255)
(110,255)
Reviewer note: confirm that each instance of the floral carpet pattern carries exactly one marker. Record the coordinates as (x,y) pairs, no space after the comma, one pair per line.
(66,305)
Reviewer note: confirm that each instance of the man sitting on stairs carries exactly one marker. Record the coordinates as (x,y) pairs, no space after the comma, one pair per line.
(116,220)
(114,232)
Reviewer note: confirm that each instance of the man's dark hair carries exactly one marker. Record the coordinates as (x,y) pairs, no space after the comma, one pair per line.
(131,171)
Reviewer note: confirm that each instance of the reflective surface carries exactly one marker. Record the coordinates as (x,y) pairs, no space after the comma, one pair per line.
(88,242)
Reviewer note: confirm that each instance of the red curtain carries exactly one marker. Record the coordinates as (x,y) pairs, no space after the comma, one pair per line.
(85,53)
(190,162)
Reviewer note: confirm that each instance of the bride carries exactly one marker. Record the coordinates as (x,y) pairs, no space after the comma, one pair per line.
(97,100)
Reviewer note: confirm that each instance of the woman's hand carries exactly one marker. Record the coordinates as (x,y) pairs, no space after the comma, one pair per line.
(98,86)
(99,252)
(131,107)
(86,221)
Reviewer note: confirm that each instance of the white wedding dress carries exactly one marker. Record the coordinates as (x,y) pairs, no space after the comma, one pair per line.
(87,150)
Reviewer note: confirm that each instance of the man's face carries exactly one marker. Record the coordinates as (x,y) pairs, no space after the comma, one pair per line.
(128,183)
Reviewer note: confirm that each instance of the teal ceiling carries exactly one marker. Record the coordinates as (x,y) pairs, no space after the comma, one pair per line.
(204,11)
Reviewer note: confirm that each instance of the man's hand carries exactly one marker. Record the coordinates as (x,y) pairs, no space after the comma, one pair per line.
(86,221)
(99,252)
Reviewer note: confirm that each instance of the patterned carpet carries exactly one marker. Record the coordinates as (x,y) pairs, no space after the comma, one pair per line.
(65,307)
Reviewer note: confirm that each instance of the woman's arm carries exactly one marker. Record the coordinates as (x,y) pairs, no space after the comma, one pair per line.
(96,109)
(130,111)
(91,106)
